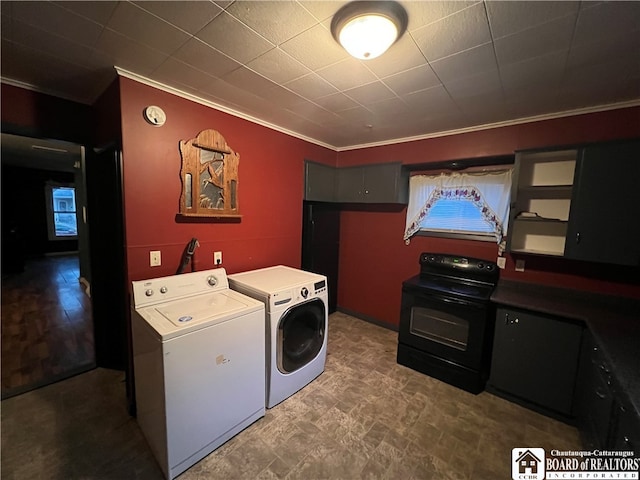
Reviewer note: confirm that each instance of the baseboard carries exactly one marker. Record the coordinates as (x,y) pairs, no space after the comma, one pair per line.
(367,318)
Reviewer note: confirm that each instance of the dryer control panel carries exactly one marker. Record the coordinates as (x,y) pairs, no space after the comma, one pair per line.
(290,296)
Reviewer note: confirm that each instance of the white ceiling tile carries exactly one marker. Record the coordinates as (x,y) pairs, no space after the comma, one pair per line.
(465,64)
(283,97)
(47,42)
(313,113)
(206,58)
(311,86)
(335,102)
(422,13)
(607,19)
(127,54)
(173,72)
(601,50)
(97,11)
(412,80)
(357,117)
(390,107)
(545,70)
(323,9)
(248,80)
(188,15)
(275,21)
(141,26)
(435,99)
(52,18)
(348,73)
(233,38)
(315,48)
(481,84)
(507,18)
(278,66)
(461,31)
(370,93)
(402,55)
(549,37)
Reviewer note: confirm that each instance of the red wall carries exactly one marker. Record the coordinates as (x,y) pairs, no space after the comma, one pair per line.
(374,259)
(33,114)
(270,187)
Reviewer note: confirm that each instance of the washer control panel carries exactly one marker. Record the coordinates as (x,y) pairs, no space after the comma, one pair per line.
(163,289)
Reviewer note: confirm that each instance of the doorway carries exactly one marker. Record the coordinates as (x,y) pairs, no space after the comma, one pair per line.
(47,325)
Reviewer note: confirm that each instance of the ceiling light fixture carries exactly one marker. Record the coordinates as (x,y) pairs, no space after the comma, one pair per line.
(367,29)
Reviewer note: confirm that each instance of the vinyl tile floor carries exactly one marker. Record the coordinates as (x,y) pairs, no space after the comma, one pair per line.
(365,417)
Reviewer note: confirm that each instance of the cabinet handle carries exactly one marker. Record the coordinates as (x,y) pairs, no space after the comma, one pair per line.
(600,395)
(508,321)
(577,238)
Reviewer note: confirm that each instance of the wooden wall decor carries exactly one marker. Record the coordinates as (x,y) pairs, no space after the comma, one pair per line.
(209,175)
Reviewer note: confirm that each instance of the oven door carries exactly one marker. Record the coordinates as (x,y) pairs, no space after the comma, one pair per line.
(445,326)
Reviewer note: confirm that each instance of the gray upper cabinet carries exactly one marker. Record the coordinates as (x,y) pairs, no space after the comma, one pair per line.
(319,182)
(378,183)
(578,203)
(603,222)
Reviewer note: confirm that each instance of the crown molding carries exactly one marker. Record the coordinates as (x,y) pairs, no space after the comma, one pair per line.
(489,126)
(208,103)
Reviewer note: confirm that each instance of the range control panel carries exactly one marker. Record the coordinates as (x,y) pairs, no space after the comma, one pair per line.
(457,265)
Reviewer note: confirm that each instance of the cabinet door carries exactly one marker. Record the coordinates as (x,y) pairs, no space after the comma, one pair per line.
(594,401)
(535,358)
(626,430)
(350,184)
(383,183)
(603,222)
(319,182)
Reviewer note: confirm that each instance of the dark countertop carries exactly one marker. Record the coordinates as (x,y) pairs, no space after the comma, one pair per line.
(614,323)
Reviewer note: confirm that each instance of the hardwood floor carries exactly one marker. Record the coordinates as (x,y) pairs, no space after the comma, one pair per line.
(47,330)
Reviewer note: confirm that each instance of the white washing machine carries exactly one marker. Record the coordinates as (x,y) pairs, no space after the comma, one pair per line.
(296,326)
(199,362)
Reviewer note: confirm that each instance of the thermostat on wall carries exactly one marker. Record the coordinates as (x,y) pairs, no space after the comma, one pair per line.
(155,115)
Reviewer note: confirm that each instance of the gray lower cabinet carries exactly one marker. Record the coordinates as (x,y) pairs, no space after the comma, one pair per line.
(319,182)
(535,359)
(378,183)
(594,405)
(625,430)
(606,419)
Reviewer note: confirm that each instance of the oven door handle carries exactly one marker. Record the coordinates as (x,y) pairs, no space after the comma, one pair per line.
(461,302)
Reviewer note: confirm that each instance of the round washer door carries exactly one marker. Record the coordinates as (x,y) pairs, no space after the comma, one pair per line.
(301,332)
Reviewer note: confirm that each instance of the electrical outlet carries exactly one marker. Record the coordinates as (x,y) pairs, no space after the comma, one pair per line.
(502,262)
(217,258)
(519,265)
(155,258)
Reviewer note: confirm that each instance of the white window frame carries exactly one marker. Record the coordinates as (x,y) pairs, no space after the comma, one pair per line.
(51,226)
(425,190)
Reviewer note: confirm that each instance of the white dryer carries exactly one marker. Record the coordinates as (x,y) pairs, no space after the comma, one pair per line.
(296,326)
(199,362)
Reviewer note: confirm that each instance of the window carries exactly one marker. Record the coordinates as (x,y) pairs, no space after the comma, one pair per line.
(459,205)
(61,212)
